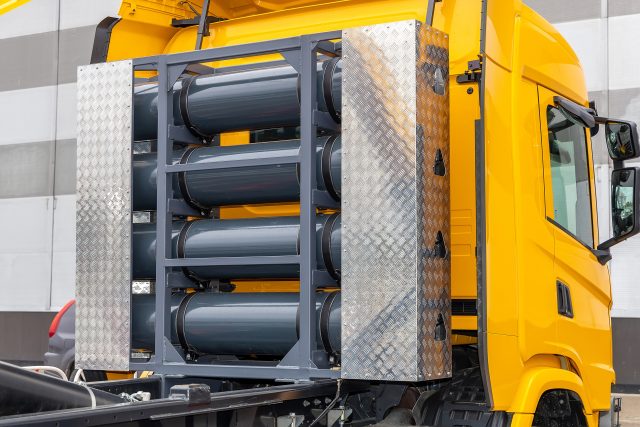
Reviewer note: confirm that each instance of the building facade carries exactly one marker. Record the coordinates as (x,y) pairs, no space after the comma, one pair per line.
(41,45)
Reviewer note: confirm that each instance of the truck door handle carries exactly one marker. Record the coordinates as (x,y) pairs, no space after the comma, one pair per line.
(565,307)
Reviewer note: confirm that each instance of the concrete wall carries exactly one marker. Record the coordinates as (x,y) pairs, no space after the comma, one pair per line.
(24,336)
(41,45)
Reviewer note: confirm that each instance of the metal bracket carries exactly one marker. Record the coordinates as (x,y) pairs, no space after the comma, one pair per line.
(291,420)
(184,23)
(340,415)
(617,408)
(200,69)
(292,358)
(322,278)
(174,73)
(180,208)
(171,355)
(475,65)
(431,6)
(177,280)
(141,287)
(153,66)
(182,134)
(324,200)
(195,394)
(473,73)
(325,121)
(329,48)
(292,57)
(203,25)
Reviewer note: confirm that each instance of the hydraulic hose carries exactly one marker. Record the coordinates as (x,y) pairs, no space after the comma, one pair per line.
(26,392)
(206,189)
(239,238)
(238,324)
(253,99)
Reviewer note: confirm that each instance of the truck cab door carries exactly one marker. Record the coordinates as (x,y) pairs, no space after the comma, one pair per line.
(582,283)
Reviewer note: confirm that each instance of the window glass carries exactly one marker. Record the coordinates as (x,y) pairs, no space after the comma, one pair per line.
(570,175)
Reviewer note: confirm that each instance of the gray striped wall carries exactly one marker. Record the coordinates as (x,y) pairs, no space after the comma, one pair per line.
(41,168)
(41,45)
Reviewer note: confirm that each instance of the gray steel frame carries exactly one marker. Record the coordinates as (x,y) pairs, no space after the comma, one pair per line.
(304,360)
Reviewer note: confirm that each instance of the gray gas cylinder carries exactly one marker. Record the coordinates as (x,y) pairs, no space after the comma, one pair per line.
(253,99)
(252,184)
(238,324)
(239,238)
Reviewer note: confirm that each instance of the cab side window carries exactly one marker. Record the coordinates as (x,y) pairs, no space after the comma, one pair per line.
(570,176)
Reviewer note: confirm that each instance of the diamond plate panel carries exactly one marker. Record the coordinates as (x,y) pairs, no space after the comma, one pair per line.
(103,216)
(395,286)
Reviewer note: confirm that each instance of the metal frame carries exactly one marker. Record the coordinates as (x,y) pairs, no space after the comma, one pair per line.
(431,7)
(481,221)
(395,232)
(103,224)
(181,410)
(304,360)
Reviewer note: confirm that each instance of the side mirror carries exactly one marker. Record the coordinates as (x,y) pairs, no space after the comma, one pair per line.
(625,205)
(622,140)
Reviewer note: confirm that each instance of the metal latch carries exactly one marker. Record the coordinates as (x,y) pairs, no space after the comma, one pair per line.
(472,74)
(193,394)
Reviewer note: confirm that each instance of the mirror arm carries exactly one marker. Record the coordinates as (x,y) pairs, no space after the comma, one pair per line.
(586,116)
(603,255)
(601,120)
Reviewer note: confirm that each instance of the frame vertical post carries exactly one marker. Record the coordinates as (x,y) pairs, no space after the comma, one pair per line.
(308,131)
(163,219)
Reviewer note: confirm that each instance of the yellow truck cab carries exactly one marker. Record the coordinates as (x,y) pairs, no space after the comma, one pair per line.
(530,294)
(529,285)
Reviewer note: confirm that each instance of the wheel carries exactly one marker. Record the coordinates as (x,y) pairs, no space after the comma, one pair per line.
(559,408)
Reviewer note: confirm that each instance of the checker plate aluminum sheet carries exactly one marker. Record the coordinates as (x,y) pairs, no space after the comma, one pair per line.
(395,284)
(103,216)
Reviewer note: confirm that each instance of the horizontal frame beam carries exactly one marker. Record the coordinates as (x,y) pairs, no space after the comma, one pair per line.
(240,371)
(238,51)
(265,161)
(228,261)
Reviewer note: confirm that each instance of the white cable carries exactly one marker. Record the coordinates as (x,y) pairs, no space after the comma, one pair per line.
(58,371)
(93,396)
(79,373)
(64,376)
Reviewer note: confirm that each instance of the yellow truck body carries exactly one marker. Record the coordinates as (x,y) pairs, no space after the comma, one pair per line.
(508,252)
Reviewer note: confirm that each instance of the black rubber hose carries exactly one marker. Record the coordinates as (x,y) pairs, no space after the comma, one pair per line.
(27,392)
